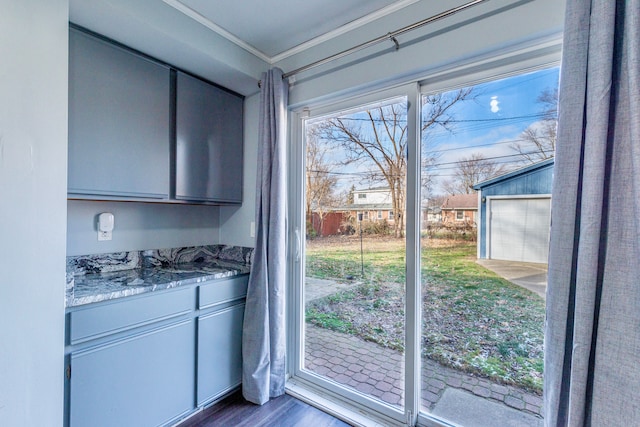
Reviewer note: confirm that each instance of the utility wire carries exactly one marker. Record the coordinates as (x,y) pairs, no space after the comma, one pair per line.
(435,165)
(492,119)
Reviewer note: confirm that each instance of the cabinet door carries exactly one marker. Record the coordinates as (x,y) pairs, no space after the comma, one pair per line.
(119,122)
(145,380)
(219,352)
(208,142)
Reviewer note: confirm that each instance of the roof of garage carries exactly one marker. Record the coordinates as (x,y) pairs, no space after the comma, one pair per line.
(514,174)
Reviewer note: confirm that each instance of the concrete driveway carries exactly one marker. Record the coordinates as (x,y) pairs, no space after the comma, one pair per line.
(526,274)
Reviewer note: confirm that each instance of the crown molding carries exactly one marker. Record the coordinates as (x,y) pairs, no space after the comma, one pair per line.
(380,13)
(201,19)
(181,7)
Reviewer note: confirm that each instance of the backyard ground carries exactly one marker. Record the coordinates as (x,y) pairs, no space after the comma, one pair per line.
(473,320)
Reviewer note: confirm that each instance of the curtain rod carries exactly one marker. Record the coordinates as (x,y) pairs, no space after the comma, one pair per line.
(389,36)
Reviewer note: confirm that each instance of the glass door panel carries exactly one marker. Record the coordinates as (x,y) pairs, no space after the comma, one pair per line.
(486,184)
(354,255)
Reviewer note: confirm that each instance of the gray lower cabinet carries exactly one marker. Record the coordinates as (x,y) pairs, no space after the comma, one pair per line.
(219,352)
(119,122)
(209,142)
(152,359)
(221,314)
(131,361)
(143,380)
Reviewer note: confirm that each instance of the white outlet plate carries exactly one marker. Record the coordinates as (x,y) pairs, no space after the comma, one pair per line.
(104,235)
(252,229)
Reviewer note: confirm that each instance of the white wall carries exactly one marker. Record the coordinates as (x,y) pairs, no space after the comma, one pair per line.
(33,159)
(496,24)
(371,197)
(140,226)
(235,222)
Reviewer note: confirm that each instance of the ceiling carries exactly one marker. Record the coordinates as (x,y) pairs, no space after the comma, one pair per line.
(276,27)
(228,42)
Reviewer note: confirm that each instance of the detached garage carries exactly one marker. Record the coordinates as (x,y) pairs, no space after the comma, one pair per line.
(515,214)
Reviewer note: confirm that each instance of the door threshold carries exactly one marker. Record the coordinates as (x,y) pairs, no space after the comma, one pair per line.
(338,408)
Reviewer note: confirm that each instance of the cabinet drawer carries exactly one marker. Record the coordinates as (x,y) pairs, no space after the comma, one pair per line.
(95,322)
(222,291)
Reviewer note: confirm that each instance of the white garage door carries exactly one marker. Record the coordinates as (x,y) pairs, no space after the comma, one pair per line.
(519,229)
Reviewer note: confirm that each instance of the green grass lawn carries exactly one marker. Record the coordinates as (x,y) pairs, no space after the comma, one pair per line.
(472,319)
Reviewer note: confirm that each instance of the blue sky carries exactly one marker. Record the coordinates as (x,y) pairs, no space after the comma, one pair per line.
(497,115)
(500,112)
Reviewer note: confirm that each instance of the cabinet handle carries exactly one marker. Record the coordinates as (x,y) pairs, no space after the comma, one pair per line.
(67,372)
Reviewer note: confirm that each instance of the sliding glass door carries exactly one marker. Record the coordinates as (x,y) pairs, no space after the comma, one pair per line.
(401,206)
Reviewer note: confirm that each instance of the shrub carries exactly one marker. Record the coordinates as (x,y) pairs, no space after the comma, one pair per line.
(369,227)
(311,232)
(466,231)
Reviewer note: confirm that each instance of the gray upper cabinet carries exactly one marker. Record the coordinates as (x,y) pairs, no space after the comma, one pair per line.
(119,122)
(209,142)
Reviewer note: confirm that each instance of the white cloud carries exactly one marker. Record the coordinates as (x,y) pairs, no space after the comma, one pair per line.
(494,104)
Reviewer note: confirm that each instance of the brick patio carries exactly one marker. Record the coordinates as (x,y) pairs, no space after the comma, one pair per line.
(377,371)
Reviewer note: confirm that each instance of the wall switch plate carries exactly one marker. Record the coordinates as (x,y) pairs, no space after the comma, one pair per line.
(252,229)
(104,235)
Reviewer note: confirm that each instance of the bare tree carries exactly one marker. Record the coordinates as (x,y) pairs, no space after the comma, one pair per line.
(436,115)
(320,183)
(470,171)
(538,141)
(377,140)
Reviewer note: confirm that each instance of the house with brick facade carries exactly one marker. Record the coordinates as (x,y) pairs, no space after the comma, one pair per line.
(369,205)
(460,208)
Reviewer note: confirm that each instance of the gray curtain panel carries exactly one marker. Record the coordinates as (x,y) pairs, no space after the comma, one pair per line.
(592,335)
(263,339)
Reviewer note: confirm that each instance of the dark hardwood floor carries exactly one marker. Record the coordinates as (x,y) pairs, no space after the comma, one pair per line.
(284,411)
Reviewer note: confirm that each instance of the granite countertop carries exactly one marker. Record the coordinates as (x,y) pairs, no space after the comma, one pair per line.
(93,279)
(96,287)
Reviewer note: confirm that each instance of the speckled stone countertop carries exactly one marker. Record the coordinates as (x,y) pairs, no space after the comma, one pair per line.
(104,277)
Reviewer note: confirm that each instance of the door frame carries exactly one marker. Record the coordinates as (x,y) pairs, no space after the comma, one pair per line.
(297,375)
